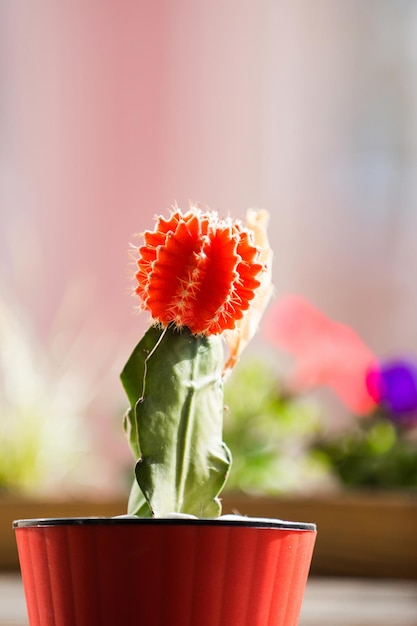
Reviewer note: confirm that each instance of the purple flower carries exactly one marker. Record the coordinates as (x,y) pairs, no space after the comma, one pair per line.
(394,386)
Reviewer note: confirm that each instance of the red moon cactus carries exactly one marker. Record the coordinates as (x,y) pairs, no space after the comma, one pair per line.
(198,270)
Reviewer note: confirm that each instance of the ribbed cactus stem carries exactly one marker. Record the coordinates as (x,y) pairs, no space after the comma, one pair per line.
(173,380)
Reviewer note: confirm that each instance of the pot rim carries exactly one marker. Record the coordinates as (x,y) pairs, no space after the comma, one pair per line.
(240,521)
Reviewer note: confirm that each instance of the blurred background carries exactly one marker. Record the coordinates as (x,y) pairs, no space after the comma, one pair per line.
(113,111)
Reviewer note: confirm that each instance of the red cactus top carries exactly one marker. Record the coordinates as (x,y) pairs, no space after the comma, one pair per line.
(198,270)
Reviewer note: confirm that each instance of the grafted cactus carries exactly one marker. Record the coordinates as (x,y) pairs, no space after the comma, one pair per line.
(198,276)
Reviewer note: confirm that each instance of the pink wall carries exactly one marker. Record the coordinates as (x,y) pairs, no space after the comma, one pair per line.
(83,88)
(115,110)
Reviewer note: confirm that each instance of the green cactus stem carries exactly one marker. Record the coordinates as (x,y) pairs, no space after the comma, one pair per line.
(173,380)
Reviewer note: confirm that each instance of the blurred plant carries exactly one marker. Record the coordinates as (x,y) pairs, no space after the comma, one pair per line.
(270,433)
(373,453)
(380,450)
(377,447)
(45,446)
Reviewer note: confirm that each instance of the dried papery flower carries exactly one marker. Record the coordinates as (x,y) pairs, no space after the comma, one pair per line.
(198,270)
(245,328)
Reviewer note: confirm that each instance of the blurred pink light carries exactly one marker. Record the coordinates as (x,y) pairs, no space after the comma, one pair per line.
(326,353)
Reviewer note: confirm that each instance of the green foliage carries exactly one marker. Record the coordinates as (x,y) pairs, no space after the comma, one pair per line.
(269,433)
(19,466)
(43,440)
(174,385)
(375,453)
(288,444)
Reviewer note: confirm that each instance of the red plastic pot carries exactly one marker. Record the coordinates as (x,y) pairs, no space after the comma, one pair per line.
(164,572)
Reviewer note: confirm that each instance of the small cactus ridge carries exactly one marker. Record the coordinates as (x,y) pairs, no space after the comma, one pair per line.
(198,270)
(197,275)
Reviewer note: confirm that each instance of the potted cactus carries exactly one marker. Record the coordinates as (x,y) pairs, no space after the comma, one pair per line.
(173,558)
